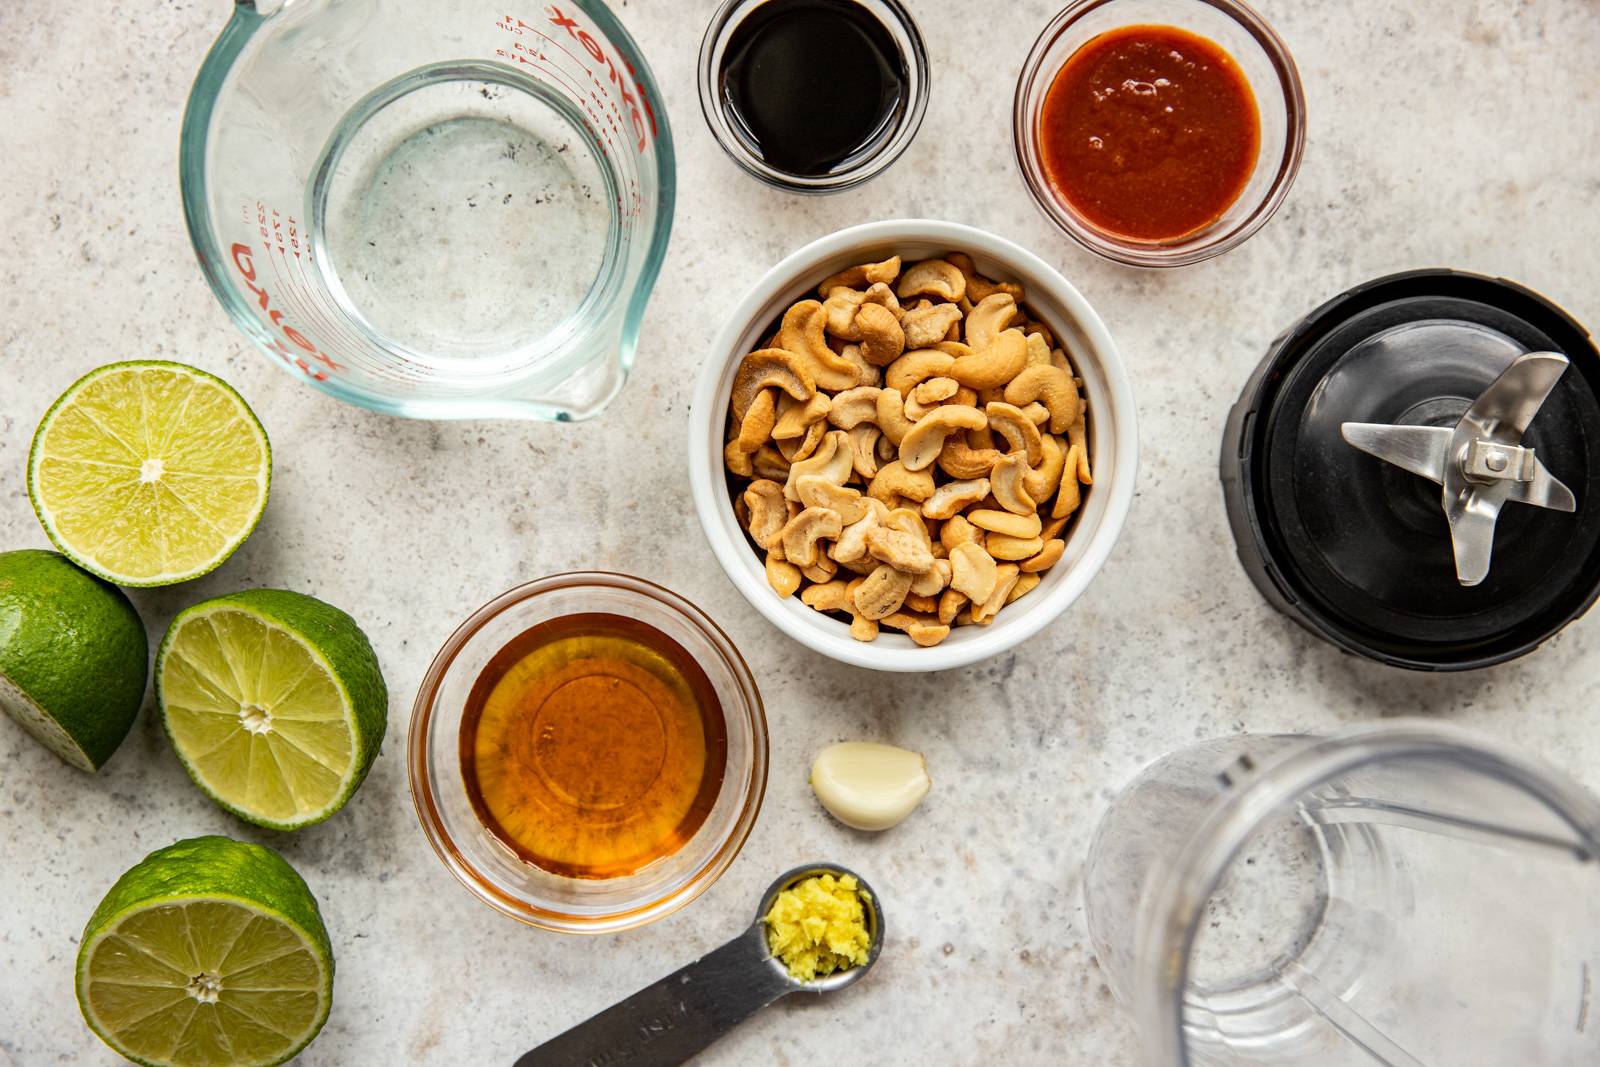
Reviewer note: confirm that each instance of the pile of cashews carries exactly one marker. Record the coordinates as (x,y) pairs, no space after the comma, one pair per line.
(895,447)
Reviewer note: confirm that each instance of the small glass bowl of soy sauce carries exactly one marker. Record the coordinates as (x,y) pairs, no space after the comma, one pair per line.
(813,96)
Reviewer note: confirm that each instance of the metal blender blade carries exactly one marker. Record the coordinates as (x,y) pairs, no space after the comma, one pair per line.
(1481,462)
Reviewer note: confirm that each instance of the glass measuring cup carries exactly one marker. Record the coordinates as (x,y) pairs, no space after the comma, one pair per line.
(1413,896)
(432,208)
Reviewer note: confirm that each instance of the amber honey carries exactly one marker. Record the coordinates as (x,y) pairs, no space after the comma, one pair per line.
(593,745)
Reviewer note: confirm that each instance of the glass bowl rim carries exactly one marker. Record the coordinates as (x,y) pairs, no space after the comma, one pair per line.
(1184,250)
(423,787)
(905,131)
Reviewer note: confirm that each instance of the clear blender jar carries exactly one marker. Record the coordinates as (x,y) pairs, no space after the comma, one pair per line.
(432,208)
(1409,895)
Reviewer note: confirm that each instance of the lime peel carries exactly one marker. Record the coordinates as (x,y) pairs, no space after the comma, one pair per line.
(73,656)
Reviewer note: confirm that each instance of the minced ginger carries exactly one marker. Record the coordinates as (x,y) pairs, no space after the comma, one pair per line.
(818,926)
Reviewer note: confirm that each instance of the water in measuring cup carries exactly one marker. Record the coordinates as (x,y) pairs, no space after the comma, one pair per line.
(463,216)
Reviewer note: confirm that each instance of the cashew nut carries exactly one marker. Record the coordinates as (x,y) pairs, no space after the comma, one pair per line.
(1012,549)
(1025,585)
(1004,522)
(882,592)
(1077,470)
(754,429)
(796,418)
(979,287)
(864,450)
(1078,442)
(901,541)
(832,460)
(882,293)
(822,570)
(927,325)
(853,407)
(1045,558)
(994,364)
(1068,499)
(1053,528)
(768,462)
(1006,482)
(861,275)
(1006,575)
(801,534)
(882,339)
(952,497)
(932,277)
(972,572)
(1054,388)
(851,544)
(929,395)
(916,367)
(951,601)
(861,627)
(796,449)
(955,531)
(769,511)
(839,595)
(924,630)
(866,373)
(841,305)
(988,318)
(803,333)
(933,582)
(1038,351)
(770,368)
(959,459)
(816,491)
(783,576)
(1035,328)
(922,445)
(1019,431)
(892,418)
(1042,482)
(827,596)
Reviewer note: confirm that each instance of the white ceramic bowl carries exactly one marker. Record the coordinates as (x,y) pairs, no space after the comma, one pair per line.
(1113,439)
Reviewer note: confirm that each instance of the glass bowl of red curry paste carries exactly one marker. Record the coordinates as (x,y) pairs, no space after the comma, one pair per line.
(1159,132)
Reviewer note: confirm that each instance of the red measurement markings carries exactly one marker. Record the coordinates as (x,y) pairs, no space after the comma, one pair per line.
(282,235)
(641,113)
(595,107)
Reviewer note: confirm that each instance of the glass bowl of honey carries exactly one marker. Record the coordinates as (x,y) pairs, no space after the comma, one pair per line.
(588,752)
(1159,133)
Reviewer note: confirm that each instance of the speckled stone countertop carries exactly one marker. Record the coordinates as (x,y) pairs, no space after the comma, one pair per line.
(1442,132)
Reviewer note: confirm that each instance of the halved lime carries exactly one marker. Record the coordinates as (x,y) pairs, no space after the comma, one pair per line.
(149,473)
(207,953)
(274,703)
(73,656)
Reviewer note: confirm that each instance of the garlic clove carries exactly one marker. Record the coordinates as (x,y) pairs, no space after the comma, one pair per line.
(869,786)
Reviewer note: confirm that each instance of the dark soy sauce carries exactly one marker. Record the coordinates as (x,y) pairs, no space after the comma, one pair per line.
(811,84)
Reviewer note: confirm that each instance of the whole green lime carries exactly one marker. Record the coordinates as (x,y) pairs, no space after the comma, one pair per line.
(73,656)
(274,703)
(207,953)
